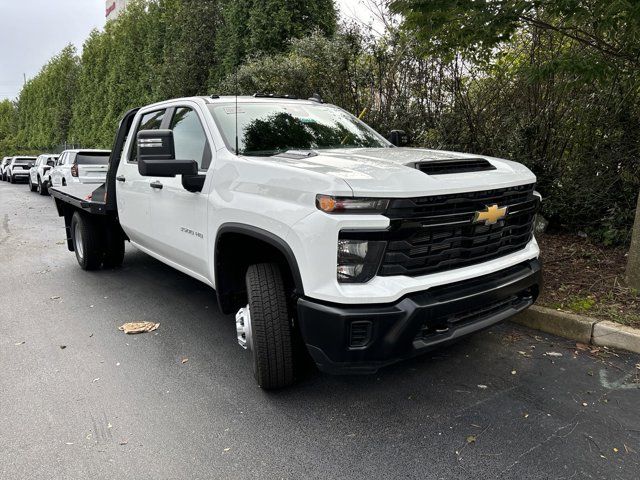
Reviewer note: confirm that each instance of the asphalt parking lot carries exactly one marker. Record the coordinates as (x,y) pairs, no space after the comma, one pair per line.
(80,399)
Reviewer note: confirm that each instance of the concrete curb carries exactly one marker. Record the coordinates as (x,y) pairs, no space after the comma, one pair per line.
(582,329)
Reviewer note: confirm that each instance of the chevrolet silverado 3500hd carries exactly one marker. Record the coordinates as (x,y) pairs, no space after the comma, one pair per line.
(315,229)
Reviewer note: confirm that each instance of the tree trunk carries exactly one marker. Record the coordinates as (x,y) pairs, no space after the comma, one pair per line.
(633,265)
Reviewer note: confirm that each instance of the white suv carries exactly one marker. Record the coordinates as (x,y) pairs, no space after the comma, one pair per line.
(18,168)
(39,173)
(80,166)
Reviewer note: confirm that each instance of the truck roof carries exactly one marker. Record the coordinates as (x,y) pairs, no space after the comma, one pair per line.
(262,98)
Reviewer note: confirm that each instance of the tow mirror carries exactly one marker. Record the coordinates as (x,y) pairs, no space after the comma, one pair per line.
(156,145)
(399,138)
(156,155)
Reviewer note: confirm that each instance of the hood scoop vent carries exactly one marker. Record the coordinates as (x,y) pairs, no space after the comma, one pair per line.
(455,165)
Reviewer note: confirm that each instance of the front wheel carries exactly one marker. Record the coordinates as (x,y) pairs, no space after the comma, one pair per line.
(267,321)
(86,242)
(11,179)
(32,187)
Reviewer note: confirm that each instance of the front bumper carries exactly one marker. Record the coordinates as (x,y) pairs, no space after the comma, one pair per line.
(364,338)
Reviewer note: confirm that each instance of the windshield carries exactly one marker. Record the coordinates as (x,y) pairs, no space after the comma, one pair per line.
(92,158)
(270,128)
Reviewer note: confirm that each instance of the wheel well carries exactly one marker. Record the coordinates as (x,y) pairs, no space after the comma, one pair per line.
(236,250)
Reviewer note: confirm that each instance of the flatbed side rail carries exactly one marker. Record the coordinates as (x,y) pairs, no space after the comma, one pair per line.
(92,203)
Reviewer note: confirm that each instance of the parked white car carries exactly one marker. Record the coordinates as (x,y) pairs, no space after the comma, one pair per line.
(80,166)
(4,164)
(18,168)
(39,173)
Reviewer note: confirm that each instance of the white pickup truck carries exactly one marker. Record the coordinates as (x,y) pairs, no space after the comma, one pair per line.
(324,238)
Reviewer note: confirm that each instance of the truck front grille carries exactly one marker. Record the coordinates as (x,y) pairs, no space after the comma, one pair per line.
(438,233)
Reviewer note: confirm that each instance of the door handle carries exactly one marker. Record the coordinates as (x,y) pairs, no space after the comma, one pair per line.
(157,185)
(121,178)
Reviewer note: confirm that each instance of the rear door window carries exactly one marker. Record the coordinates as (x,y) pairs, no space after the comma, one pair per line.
(149,121)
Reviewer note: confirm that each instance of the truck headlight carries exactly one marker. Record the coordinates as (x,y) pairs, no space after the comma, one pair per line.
(330,204)
(358,260)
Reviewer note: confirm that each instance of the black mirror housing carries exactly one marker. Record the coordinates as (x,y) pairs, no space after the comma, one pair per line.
(193,183)
(399,138)
(157,155)
(148,167)
(156,145)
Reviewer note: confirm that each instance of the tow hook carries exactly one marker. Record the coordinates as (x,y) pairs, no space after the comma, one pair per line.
(243,328)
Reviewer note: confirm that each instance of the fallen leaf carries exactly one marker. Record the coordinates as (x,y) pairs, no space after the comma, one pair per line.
(55,297)
(513,372)
(124,442)
(584,404)
(526,415)
(582,346)
(482,386)
(471,439)
(226,449)
(553,354)
(69,443)
(139,327)
(184,360)
(615,450)
(20,343)
(62,347)
(95,380)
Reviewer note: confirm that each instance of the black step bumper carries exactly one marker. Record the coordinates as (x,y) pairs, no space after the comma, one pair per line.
(364,338)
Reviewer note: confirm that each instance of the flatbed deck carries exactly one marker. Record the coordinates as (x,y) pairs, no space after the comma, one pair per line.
(88,197)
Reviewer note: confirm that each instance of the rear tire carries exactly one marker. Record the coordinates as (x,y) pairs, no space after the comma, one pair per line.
(272,351)
(42,188)
(86,242)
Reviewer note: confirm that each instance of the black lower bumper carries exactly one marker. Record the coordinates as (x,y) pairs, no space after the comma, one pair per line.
(364,338)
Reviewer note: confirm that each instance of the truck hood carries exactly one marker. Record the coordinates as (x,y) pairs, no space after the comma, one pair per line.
(391,172)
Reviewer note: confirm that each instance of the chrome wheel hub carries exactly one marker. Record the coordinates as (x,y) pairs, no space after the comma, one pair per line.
(78,241)
(243,328)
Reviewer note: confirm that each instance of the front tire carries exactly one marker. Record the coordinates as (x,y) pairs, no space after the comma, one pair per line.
(273,359)
(32,187)
(11,179)
(86,242)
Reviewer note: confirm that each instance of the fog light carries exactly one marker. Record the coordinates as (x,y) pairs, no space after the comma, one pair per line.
(358,260)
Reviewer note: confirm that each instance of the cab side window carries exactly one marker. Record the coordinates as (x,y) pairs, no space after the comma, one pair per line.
(189,138)
(149,121)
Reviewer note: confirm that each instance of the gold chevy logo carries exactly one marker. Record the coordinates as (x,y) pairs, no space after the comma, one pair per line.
(491,215)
